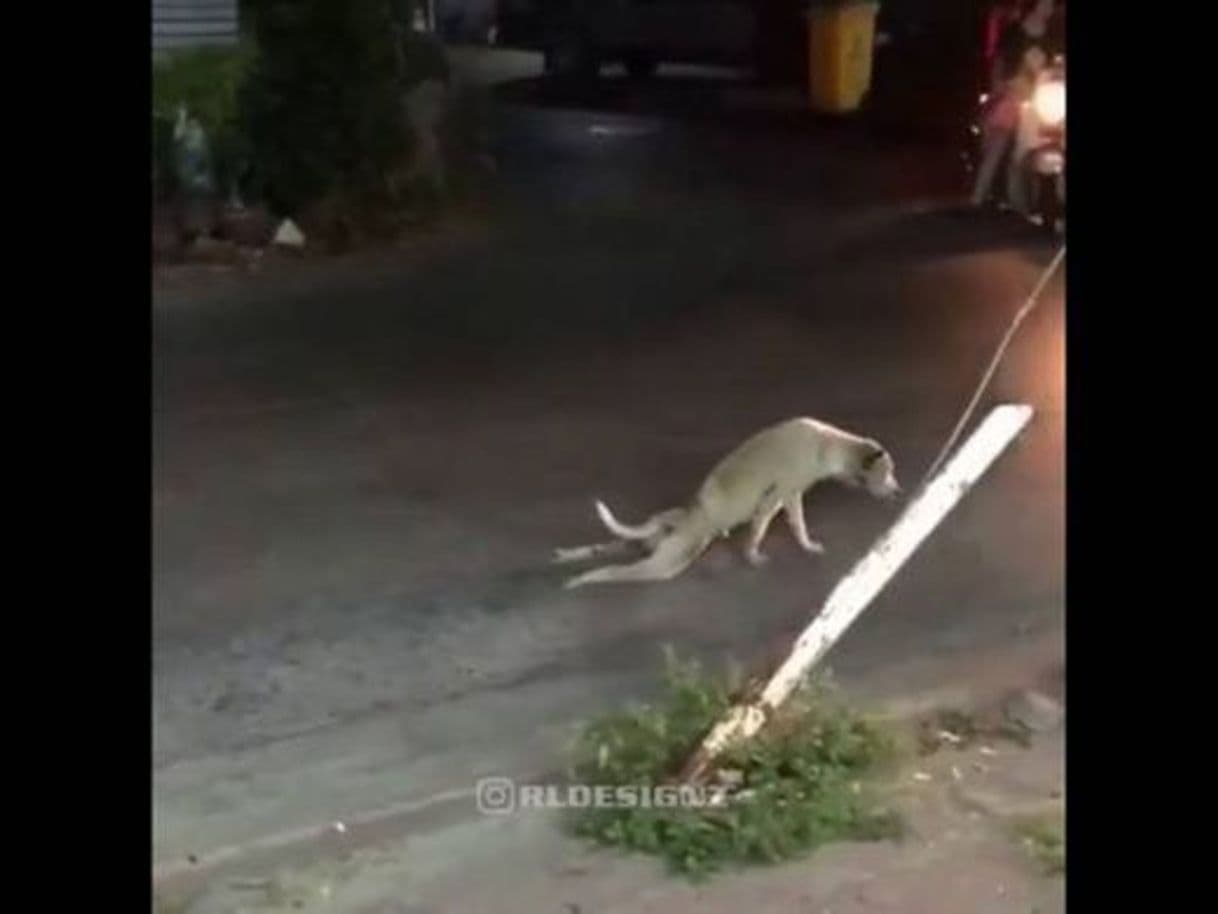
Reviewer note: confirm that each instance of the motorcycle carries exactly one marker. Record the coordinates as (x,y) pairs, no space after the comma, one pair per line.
(1038,151)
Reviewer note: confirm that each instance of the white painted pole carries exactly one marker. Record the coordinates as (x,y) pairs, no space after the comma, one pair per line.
(855,592)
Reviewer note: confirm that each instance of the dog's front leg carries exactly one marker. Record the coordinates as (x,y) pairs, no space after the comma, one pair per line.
(793,507)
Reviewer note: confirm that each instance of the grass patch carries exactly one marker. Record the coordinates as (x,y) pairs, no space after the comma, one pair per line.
(801,782)
(1045,842)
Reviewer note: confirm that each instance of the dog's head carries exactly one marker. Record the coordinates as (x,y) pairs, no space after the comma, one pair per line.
(877,472)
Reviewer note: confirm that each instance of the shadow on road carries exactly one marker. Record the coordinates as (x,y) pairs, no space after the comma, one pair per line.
(680,97)
(736,101)
(950,230)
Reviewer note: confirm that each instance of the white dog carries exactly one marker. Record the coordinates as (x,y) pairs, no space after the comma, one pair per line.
(768,473)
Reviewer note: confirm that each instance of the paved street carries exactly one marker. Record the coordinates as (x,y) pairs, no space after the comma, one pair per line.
(360,472)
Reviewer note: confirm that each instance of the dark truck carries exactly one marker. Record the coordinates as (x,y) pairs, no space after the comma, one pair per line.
(577,37)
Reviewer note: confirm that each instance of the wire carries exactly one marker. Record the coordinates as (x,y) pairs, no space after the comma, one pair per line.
(1023,312)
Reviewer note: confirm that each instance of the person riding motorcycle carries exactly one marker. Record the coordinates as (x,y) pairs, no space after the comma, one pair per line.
(1017,56)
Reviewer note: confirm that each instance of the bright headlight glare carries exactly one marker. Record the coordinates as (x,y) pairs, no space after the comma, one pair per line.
(1050,102)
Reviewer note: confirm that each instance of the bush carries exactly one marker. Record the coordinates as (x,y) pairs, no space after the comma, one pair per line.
(207,81)
(801,778)
(308,116)
(322,104)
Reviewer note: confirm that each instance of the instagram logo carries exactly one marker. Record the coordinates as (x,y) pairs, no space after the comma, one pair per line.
(496,796)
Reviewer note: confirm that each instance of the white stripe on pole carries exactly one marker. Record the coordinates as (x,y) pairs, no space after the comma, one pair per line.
(856,591)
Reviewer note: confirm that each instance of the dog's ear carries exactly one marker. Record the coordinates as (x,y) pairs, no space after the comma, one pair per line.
(873,454)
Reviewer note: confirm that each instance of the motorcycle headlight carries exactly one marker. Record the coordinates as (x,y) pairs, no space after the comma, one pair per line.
(1050,102)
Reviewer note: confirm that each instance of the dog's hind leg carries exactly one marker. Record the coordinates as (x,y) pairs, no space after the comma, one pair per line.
(582,553)
(672,556)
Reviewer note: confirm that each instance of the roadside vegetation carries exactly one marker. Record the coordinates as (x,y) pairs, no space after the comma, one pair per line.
(805,781)
(1045,841)
(308,118)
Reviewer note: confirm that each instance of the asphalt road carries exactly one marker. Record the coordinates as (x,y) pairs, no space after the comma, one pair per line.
(359,475)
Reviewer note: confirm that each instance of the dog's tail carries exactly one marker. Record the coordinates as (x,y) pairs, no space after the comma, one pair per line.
(649,528)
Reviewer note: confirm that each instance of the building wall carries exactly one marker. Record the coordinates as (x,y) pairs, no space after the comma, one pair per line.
(193,23)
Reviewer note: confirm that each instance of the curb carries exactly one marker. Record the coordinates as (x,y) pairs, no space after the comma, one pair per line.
(182,875)
(958,688)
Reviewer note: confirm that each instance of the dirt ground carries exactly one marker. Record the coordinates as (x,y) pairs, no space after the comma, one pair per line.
(965,852)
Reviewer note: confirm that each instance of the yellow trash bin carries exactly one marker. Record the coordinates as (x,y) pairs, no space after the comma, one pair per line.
(841,35)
